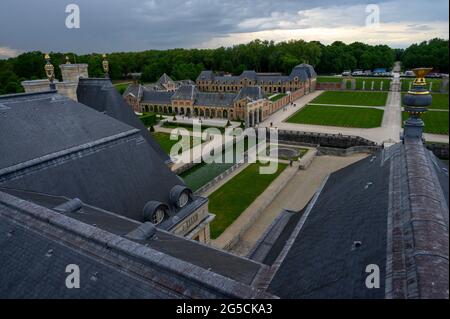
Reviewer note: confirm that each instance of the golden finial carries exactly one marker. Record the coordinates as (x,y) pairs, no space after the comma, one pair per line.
(419,81)
(105,65)
(49,69)
(67,59)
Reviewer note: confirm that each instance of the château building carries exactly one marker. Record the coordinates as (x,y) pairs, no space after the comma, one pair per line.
(240,98)
(302,76)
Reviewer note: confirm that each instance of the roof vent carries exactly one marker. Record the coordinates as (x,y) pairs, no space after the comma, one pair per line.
(144,232)
(49,253)
(70,206)
(356,245)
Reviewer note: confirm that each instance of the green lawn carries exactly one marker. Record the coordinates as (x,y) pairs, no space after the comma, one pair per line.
(277,97)
(121,87)
(435,122)
(352,98)
(338,116)
(440,101)
(329,79)
(376,84)
(166,143)
(232,198)
(435,87)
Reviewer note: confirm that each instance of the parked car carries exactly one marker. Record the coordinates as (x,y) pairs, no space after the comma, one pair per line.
(434,75)
(358,73)
(346,73)
(409,73)
(367,72)
(379,72)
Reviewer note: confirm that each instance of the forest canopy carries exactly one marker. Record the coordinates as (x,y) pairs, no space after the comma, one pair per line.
(261,56)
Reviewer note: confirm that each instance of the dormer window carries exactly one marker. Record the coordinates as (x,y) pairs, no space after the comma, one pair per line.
(158,216)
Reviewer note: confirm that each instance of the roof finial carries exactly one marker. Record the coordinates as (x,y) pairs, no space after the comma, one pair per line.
(105,65)
(49,71)
(67,60)
(416,103)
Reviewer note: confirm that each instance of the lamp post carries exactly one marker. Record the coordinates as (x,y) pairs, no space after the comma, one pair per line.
(50,72)
(416,103)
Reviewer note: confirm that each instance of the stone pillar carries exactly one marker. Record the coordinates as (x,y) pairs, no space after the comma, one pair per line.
(247,119)
(257,116)
(253,119)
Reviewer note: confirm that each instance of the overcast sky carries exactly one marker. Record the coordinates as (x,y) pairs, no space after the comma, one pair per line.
(135,25)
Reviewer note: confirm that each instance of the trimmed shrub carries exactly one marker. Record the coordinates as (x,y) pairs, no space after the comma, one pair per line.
(149,119)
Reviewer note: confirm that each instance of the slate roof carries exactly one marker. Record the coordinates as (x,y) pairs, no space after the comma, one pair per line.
(300,72)
(206,76)
(134,89)
(40,242)
(303,71)
(388,209)
(250,92)
(309,70)
(102,96)
(157,97)
(214,99)
(251,75)
(164,79)
(185,92)
(54,145)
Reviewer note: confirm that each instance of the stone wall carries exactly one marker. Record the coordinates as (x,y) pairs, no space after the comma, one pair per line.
(325,140)
(347,151)
(329,86)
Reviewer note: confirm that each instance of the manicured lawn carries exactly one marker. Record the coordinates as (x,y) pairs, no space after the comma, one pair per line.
(329,79)
(277,97)
(338,116)
(440,101)
(435,87)
(376,84)
(352,98)
(435,122)
(166,143)
(232,198)
(121,87)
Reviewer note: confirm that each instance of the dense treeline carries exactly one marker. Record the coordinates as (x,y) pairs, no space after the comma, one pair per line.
(261,56)
(433,53)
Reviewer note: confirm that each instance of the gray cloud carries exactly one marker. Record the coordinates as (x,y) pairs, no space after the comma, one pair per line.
(131,25)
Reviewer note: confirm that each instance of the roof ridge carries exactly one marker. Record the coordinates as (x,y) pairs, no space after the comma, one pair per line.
(52,156)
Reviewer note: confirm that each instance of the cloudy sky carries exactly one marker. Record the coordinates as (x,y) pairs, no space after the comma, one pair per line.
(135,25)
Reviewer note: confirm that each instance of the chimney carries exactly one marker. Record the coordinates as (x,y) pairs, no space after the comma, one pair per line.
(71,73)
(416,103)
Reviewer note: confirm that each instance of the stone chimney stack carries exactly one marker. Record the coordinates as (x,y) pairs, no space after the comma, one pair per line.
(416,103)
(71,73)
